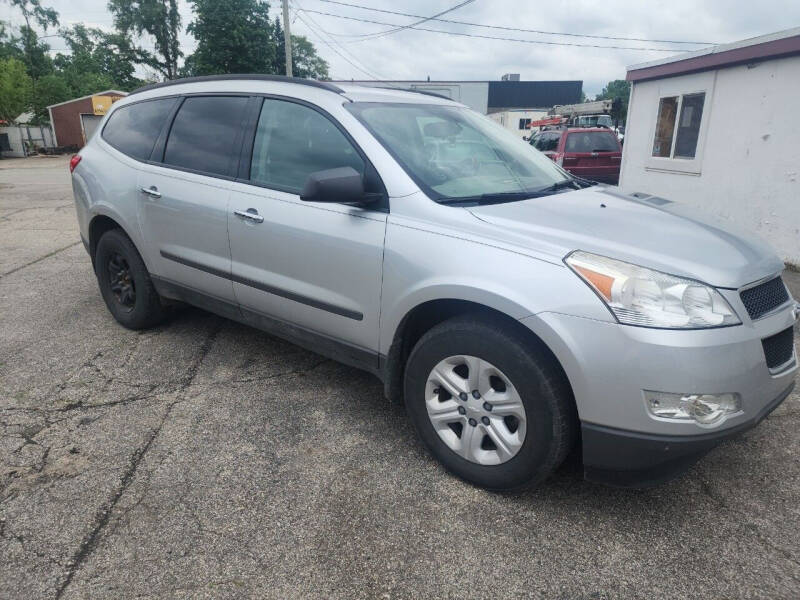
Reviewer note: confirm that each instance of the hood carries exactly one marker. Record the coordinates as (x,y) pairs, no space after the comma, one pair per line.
(644,230)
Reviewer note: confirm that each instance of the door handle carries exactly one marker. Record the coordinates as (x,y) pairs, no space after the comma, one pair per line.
(250,214)
(152,191)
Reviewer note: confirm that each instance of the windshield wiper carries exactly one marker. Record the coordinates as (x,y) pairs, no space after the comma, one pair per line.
(583,183)
(499,197)
(489,198)
(562,184)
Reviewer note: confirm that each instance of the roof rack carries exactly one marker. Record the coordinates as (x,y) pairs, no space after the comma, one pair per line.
(238,77)
(415,91)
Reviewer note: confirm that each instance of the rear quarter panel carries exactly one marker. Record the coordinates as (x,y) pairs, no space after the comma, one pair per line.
(104,183)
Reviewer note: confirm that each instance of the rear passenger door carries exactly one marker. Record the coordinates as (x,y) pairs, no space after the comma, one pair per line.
(184,195)
(312,266)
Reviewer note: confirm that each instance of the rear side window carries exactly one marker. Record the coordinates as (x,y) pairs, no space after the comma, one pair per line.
(292,141)
(133,129)
(204,134)
(591,141)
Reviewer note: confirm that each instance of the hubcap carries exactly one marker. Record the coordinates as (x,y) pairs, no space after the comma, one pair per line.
(475,410)
(120,280)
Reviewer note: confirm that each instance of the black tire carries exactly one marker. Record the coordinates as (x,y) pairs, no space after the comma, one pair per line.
(142,311)
(542,386)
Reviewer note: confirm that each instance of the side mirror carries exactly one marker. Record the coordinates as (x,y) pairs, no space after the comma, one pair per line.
(342,185)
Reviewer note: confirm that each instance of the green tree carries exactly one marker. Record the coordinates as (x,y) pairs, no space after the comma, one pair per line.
(111,55)
(157,18)
(32,10)
(34,51)
(619,90)
(305,60)
(117,57)
(15,88)
(10,46)
(233,36)
(50,89)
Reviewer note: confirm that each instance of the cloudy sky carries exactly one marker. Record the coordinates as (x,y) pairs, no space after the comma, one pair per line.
(355,53)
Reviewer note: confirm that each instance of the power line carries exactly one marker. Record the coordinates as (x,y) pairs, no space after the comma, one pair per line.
(489,37)
(504,28)
(319,29)
(379,34)
(332,47)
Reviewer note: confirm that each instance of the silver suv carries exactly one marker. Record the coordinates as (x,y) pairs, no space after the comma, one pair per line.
(518,312)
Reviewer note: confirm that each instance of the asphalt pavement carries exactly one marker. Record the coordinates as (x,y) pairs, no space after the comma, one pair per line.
(203,459)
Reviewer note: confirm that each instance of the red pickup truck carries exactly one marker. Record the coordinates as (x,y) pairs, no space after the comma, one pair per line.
(589,152)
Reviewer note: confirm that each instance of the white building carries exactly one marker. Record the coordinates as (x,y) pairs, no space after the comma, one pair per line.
(720,129)
(518,120)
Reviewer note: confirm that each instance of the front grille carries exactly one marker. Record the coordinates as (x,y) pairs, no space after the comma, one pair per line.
(761,299)
(778,348)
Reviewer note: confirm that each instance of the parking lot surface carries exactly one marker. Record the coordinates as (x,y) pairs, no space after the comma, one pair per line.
(205,459)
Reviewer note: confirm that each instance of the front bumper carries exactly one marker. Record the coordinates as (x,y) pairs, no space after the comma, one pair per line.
(609,366)
(632,459)
(602,174)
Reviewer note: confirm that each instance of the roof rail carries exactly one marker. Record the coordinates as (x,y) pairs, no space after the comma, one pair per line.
(238,77)
(416,91)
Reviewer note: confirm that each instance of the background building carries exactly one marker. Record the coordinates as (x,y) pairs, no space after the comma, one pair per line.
(509,101)
(719,129)
(74,121)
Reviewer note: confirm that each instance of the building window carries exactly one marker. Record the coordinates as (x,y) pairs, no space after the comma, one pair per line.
(689,125)
(524,123)
(681,141)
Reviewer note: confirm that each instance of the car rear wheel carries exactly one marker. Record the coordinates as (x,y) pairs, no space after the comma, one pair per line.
(124,282)
(492,407)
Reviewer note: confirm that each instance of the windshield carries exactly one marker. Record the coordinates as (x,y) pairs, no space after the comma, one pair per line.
(595,121)
(453,152)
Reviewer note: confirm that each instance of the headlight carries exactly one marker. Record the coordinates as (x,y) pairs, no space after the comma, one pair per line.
(640,296)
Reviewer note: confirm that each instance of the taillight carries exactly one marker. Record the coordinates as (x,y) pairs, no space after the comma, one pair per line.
(73,162)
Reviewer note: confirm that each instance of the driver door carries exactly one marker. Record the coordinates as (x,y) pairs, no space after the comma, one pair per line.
(312,266)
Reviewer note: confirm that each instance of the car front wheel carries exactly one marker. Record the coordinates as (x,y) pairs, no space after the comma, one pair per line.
(491,406)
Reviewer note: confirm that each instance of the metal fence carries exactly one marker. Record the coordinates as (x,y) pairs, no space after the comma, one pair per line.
(25,140)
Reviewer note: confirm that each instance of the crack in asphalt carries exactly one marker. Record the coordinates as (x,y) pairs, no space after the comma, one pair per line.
(103,515)
(720,501)
(40,259)
(19,210)
(81,405)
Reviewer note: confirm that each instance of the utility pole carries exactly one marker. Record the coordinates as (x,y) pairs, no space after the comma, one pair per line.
(287,38)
